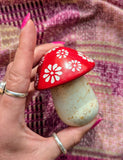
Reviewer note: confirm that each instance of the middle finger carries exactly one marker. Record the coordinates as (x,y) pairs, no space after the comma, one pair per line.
(42,50)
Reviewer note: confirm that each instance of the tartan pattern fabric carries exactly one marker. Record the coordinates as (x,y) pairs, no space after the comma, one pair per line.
(94,28)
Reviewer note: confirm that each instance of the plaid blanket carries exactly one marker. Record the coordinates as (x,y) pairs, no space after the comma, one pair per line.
(94,27)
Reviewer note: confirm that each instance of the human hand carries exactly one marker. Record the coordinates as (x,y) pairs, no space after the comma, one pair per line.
(17,141)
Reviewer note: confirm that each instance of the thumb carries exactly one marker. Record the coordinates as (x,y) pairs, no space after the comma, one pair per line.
(71,136)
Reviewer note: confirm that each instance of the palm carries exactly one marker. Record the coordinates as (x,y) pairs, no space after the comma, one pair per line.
(22,143)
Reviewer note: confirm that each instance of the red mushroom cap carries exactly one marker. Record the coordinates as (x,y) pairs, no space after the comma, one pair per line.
(61,65)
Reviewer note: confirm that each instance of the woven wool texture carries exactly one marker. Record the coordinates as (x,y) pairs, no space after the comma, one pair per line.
(94,27)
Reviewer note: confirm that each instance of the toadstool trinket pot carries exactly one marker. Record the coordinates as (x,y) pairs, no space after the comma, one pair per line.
(61,70)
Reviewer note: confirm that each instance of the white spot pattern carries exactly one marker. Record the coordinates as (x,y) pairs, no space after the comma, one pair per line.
(74,65)
(41,62)
(52,73)
(85,57)
(62,53)
(52,50)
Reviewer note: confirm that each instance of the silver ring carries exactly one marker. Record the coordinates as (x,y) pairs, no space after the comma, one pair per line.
(60,145)
(2,87)
(15,94)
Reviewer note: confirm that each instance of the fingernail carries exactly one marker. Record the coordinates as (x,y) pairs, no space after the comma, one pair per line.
(26,19)
(59,42)
(96,123)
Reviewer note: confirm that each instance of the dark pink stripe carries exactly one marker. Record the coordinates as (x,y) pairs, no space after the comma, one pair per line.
(72,157)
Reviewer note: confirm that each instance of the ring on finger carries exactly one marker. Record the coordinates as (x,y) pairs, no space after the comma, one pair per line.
(2,87)
(15,94)
(10,93)
(60,145)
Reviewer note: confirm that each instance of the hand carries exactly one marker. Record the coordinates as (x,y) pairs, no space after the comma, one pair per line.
(17,141)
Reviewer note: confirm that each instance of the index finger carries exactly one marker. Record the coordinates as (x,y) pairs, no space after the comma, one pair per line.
(19,74)
(18,77)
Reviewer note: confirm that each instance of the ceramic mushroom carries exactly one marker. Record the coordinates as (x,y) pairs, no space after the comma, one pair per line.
(62,70)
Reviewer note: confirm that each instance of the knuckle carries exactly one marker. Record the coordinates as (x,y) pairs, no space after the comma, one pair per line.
(16,79)
(9,68)
(9,65)
(14,76)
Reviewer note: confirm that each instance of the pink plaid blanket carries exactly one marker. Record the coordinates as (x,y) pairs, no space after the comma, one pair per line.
(94,27)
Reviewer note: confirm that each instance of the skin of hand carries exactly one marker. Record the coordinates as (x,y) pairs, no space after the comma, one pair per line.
(17,141)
